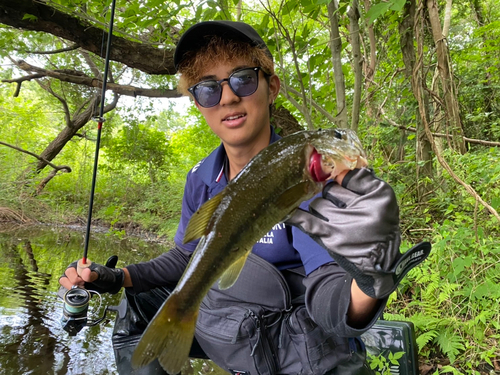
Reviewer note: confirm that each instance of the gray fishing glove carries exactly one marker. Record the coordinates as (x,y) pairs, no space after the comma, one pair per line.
(358,224)
(109,279)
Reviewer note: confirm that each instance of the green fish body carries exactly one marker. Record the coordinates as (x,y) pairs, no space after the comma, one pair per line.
(269,189)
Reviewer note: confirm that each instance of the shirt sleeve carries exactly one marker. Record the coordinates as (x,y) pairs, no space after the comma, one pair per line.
(327,298)
(165,270)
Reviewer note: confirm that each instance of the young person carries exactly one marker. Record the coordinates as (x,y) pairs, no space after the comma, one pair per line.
(228,70)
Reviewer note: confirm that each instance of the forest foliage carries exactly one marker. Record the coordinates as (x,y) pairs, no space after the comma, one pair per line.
(419,81)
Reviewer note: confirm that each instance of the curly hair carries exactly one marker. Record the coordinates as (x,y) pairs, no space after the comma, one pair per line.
(215,52)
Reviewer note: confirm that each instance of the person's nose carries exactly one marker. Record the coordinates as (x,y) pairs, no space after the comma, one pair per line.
(228,96)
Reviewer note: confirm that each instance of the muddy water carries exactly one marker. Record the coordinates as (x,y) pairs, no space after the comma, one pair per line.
(32,340)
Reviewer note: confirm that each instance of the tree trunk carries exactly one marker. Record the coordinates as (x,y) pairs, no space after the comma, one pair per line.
(488,93)
(370,62)
(78,122)
(284,121)
(415,72)
(447,18)
(453,121)
(353,14)
(336,48)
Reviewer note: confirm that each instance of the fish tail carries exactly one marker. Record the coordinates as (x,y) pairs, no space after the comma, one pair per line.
(168,337)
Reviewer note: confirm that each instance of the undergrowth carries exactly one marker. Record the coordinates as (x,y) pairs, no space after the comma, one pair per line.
(452,298)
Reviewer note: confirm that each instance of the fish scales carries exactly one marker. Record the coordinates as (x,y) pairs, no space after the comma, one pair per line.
(270,187)
(230,222)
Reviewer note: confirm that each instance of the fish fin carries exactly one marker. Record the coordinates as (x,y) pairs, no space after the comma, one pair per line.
(294,194)
(230,276)
(198,223)
(168,337)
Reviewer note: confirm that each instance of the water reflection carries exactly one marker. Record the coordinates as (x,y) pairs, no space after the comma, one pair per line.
(31,338)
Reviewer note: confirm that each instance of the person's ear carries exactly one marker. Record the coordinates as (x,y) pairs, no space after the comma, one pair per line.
(274,88)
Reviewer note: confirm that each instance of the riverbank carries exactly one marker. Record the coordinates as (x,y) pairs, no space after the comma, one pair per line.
(11,219)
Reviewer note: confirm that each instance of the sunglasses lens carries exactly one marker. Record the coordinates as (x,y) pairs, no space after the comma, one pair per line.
(244,82)
(207,93)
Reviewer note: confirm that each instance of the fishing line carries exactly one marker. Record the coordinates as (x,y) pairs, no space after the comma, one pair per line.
(100,120)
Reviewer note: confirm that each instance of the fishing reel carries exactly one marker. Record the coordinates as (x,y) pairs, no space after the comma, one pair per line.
(76,306)
(75,310)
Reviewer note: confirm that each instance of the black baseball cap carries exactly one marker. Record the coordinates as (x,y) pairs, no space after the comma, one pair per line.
(199,34)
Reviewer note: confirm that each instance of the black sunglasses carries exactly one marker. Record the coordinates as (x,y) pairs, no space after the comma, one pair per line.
(242,82)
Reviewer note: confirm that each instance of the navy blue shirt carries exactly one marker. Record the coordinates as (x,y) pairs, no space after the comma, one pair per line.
(283,246)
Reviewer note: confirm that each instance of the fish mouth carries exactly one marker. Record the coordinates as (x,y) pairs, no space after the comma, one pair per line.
(316,168)
(329,156)
(325,167)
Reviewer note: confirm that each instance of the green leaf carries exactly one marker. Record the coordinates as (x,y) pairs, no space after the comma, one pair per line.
(265,21)
(377,10)
(289,6)
(425,338)
(447,369)
(398,355)
(450,343)
(495,202)
(30,17)
(398,5)
(305,31)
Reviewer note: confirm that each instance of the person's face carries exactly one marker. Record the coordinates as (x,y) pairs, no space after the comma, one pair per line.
(240,121)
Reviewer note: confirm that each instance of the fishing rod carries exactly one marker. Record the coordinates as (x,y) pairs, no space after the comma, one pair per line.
(84,261)
(76,300)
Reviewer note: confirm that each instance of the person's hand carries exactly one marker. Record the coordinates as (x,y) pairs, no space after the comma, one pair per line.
(357,222)
(102,279)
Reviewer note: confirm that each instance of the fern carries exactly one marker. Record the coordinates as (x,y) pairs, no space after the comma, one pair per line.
(447,369)
(425,338)
(450,344)
(400,317)
(425,322)
(446,292)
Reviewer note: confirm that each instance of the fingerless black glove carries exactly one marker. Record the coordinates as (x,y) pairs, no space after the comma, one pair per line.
(358,224)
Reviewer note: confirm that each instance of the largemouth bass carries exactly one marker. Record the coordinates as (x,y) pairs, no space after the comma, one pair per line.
(269,189)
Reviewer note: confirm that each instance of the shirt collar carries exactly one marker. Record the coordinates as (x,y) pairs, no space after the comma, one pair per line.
(211,169)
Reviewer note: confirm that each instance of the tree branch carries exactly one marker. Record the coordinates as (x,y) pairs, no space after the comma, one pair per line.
(20,80)
(112,105)
(142,56)
(440,135)
(82,106)
(56,51)
(57,168)
(93,67)
(320,109)
(64,103)
(82,79)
